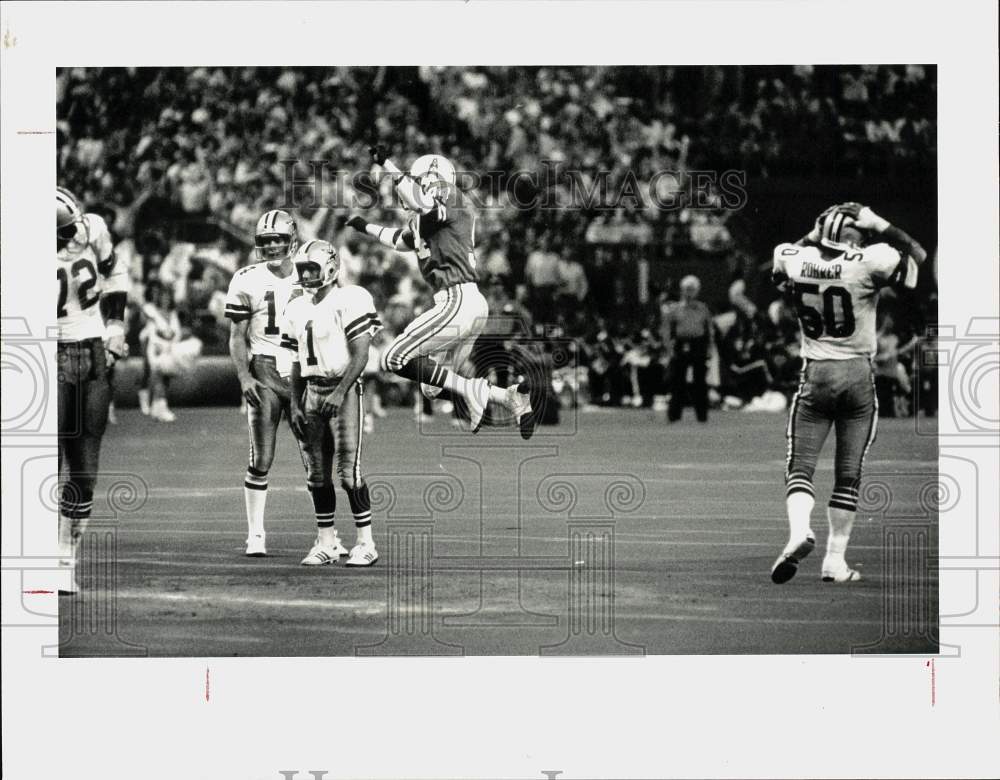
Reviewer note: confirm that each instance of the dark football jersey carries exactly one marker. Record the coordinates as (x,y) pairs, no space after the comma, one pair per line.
(445,239)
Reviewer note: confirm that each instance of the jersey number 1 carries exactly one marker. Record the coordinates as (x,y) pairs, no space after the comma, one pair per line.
(270,329)
(815,322)
(311,357)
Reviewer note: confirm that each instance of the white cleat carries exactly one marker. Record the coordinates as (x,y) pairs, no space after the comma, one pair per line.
(322,554)
(363,554)
(429,392)
(478,404)
(256,547)
(788,562)
(74,586)
(839,571)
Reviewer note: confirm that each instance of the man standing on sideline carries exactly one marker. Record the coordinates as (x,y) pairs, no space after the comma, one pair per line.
(688,334)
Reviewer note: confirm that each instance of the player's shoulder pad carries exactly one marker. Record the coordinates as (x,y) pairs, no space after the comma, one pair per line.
(357,296)
(97,227)
(881,253)
(790,250)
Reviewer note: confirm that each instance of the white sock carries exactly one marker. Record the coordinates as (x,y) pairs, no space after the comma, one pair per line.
(799,506)
(365,534)
(327,535)
(841,523)
(65,536)
(255,501)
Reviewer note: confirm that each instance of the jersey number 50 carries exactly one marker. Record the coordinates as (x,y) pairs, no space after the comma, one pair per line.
(816,322)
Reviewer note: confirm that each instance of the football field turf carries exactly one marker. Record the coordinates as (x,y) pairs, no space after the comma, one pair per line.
(610,533)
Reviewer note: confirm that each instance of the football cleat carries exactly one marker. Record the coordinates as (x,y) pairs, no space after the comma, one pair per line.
(74,586)
(839,571)
(429,392)
(478,404)
(519,403)
(788,562)
(322,554)
(363,554)
(256,547)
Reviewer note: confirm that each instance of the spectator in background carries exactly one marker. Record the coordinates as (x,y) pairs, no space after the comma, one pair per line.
(541,272)
(573,286)
(168,351)
(688,337)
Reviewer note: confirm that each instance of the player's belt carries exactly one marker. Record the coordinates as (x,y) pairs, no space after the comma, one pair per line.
(323,381)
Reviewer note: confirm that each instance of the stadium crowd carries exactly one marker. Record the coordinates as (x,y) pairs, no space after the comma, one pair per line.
(560,160)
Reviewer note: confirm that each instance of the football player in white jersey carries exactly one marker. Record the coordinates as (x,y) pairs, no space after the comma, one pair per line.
(89,278)
(330,330)
(834,275)
(257,296)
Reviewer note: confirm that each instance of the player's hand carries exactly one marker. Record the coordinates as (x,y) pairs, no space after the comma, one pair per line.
(115,348)
(358,223)
(333,402)
(851,209)
(252,392)
(378,154)
(297,422)
(869,220)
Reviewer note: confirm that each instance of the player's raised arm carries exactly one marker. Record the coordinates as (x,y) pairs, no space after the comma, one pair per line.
(400,239)
(896,237)
(410,191)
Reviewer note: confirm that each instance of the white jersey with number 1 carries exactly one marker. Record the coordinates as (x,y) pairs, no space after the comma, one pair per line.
(257,294)
(320,332)
(836,294)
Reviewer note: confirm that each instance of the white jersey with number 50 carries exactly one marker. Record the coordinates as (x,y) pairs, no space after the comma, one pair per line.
(836,294)
(82,274)
(257,294)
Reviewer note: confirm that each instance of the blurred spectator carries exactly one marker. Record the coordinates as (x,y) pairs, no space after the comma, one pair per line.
(168,350)
(687,334)
(542,275)
(184,160)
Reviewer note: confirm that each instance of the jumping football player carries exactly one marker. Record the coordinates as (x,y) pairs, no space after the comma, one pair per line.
(442,232)
(330,329)
(834,275)
(257,296)
(89,279)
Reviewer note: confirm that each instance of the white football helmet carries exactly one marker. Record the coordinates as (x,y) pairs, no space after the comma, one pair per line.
(276,236)
(435,175)
(71,225)
(317,265)
(835,229)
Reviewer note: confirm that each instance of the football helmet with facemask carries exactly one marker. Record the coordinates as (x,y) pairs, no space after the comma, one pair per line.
(71,225)
(316,265)
(836,229)
(435,175)
(276,237)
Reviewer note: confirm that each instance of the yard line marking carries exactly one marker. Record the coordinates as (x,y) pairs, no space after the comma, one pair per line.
(358,606)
